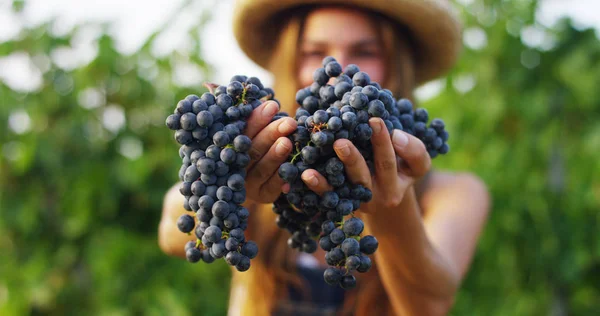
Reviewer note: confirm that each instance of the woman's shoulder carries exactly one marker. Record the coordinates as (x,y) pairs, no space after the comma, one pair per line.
(454,187)
(465,180)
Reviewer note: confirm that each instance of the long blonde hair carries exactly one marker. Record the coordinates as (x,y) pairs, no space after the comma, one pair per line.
(274,269)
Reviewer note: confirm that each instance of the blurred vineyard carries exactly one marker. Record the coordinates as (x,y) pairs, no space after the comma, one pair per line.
(85,160)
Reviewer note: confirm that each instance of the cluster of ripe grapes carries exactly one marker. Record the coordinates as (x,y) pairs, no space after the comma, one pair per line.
(329,112)
(214,155)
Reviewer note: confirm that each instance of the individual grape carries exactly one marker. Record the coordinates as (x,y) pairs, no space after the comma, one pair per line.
(185,188)
(173,121)
(237,234)
(332,276)
(444,149)
(184,106)
(207,257)
(185,223)
(368,245)
(243,213)
(220,209)
(342,88)
(189,245)
(183,137)
(337,236)
(333,69)
(363,132)
(352,263)
(242,143)
(250,249)
(334,257)
(204,119)
(365,264)
(220,90)
(361,79)
(233,258)
(358,100)
(235,88)
(350,247)
(353,226)
(320,76)
(188,121)
(243,264)
(221,139)
(327,94)
(348,282)
(224,101)
(309,154)
(208,179)
(242,160)
(233,113)
(199,106)
(309,246)
(319,139)
(231,221)
(206,166)
(330,199)
(236,182)
(232,244)
(213,234)
(376,108)
(327,60)
(213,152)
(421,115)
(206,202)
(288,172)
(327,227)
(193,255)
(218,249)
(224,193)
(320,117)
(193,202)
(228,156)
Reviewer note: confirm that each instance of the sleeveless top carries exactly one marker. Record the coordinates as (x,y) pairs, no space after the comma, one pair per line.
(320,299)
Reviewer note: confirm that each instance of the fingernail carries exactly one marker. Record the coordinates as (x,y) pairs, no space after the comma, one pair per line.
(400,139)
(310,179)
(281,149)
(285,127)
(270,109)
(342,151)
(376,125)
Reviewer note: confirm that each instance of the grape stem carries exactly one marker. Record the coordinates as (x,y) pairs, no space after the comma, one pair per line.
(211,86)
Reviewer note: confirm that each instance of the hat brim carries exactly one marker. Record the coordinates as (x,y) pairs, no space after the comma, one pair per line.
(434,28)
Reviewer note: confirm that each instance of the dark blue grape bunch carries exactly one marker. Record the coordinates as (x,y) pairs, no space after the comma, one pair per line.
(214,155)
(414,122)
(329,112)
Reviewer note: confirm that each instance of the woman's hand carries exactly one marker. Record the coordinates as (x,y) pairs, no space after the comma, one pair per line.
(399,160)
(270,148)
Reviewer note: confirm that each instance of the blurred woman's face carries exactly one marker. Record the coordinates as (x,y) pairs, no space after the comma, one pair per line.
(346,34)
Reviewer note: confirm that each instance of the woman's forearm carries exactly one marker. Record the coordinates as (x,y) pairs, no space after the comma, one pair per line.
(418,280)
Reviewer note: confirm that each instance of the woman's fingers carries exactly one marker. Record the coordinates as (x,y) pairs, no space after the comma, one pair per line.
(315,181)
(261,117)
(384,157)
(266,137)
(354,163)
(383,151)
(413,153)
(267,167)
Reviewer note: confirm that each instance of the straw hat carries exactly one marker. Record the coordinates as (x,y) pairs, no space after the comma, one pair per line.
(435,28)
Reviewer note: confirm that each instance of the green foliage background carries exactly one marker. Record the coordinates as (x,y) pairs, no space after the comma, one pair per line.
(78,221)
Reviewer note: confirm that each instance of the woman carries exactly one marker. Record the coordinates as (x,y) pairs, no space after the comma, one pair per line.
(427,222)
